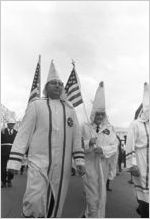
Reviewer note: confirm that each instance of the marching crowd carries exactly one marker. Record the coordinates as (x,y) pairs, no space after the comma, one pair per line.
(50,137)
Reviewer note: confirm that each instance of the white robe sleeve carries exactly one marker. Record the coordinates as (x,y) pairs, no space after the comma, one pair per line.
(130,146)
(78,151)
(22,139)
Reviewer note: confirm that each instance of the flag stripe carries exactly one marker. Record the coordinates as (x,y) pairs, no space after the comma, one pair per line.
(74,96)
(72,89)
(75,88)
(78,103)
(35,89)
(138,111)
(76,100)
(74,93)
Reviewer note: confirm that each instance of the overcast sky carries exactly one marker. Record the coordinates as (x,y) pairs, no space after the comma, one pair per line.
(109,41)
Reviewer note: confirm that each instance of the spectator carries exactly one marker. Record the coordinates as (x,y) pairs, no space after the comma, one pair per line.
(7,138)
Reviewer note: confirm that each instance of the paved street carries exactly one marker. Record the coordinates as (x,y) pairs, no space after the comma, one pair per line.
(121,202)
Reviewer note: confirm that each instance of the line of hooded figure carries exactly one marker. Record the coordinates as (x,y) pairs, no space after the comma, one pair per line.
(51,133)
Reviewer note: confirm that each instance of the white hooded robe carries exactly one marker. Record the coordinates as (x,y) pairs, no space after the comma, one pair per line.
(50,131)
(137,153)
(97,167)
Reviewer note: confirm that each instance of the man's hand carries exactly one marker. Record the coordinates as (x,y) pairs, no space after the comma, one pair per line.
(80,170)
(12,171)
(92,142)
(134,170)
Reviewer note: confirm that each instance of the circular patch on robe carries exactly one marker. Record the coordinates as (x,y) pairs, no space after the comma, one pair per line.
(106,131)
(70,122)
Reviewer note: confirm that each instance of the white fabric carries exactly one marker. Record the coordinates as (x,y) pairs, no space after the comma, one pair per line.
(112,163)
(34,132)
(144,115)
(146,97)
(97,168)
(99,101)
(52,74)
(11,120)
(136,151)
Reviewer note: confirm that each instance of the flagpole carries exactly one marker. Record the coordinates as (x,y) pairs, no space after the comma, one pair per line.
(84,108)
(40,73)
(73,63)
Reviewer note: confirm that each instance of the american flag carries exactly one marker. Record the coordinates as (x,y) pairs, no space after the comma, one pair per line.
(72,89)
(36,85)
(138,111)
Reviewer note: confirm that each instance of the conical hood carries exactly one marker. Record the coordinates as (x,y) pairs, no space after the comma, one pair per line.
(52,75)
(99,101)
(146,97)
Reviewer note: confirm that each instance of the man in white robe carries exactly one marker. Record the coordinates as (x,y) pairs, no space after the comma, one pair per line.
(50,133)
(137,155)
(101,145)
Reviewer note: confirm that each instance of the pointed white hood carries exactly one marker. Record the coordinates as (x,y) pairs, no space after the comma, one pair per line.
(145,114)
(146,97)
(52,75)
(99,101)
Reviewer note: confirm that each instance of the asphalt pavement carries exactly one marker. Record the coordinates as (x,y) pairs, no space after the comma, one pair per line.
(121,201)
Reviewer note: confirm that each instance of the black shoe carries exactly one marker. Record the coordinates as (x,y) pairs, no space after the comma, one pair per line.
(83,216)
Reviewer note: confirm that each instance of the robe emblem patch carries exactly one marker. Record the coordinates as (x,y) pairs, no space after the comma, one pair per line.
(106,131)
(70,122)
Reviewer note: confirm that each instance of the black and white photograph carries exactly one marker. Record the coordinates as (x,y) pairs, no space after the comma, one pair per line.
(75,109)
